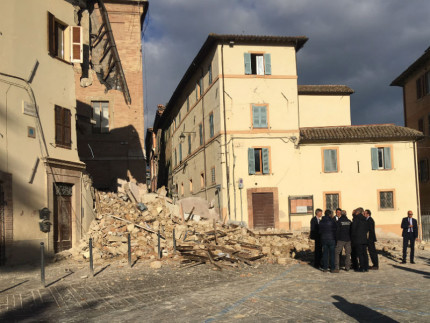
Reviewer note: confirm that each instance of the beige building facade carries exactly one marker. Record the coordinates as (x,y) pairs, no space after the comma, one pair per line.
(39,163)
(267,152)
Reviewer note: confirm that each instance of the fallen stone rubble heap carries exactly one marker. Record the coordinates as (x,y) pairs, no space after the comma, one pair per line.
(197,242)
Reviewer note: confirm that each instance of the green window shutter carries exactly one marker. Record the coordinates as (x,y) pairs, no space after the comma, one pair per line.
(251,161)
(387,157)
(180,153)
(256,116)
(211,125)
(265,154)
(267,64)
(201,134)
(263,117)
(374,155)
(247,58)
(330,160)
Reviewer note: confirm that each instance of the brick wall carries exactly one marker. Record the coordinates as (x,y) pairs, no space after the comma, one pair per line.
(120,152)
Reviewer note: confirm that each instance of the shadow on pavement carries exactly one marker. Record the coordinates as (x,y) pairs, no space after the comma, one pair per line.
(6,289)
(360,312)
(31,311)
(425,273)
(57,280)
(101,270)
(427,260)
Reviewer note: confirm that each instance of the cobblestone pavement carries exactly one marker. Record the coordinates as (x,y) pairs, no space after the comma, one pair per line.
(267,293)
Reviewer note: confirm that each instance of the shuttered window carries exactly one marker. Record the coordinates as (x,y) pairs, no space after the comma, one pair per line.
(210,73)
(180,153)
(76,45)
(213,175)
(381,158)
(63,135)
(258,161)
(257,64)
(200,134)
(189,144)
(259,116)
(330,161)
(211,125)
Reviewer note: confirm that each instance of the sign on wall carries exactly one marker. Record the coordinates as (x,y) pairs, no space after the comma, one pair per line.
(301,205)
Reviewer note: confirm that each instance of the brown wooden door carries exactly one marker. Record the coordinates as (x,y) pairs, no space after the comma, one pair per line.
(263,210)
(62,222)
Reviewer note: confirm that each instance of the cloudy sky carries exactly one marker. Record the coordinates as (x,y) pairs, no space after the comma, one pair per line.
(364,44)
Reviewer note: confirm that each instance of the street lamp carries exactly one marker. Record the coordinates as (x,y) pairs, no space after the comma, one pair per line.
(182,135)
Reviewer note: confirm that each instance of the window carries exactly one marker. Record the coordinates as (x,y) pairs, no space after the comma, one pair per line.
(257,64)
(100,116)
(202,180)
(201,134)
(386,199)
(213,175)
(189,144)
(259,116)
(421,125)
(188,103)
(191,185)
(182,189)
(424,170)
(63,127)
(381,158)
(31,132)
(330,160)
(211,125)
(64,42)
(210,73)
(180,152)
(332,201)
(199,89)
(176,158)
(258,161)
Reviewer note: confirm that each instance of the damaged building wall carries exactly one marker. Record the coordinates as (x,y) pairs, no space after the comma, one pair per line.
(111,130)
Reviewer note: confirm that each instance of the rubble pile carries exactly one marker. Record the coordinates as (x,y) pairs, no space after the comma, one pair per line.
(197,240)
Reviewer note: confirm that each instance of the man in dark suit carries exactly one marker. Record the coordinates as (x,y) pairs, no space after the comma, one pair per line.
(410,233)
(371,239)
(315,235)
(359,232)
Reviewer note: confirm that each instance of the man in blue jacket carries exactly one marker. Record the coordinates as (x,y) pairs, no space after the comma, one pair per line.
(327,230)
(410,233)
(359,233)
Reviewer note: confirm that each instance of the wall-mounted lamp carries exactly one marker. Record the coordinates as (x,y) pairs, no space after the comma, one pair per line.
(182,135)
(293,139)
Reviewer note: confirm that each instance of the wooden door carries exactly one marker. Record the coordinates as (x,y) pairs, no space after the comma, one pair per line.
(62,220)
(263,210)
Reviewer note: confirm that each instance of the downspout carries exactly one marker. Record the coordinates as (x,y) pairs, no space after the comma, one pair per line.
(204,143)
(225,132)
(420,228)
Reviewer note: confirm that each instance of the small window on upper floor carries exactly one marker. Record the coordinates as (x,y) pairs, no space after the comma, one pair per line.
(423,170)
(201,134)
(381,158)
(210,73)
(330,161)
(421,125)
(211,125)
(257,64)
(259,116)
(189,144)
(188,103)
(64,42)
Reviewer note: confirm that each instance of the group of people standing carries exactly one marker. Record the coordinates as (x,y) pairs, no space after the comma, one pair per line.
(335,232)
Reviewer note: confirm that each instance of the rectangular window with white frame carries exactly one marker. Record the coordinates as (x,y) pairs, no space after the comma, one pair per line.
(258,161)
(257,64)
(381,158)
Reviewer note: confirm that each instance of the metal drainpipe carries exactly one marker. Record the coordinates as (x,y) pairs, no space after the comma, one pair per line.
(420,230)
(204,142)
(225,133)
